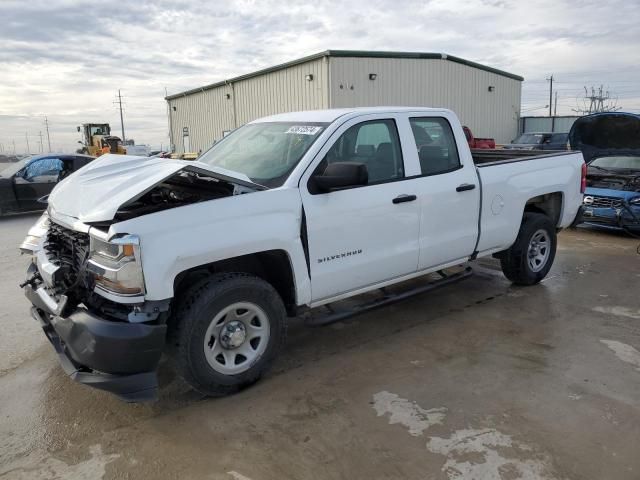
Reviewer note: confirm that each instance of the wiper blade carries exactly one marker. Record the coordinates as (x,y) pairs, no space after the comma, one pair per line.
(602,168)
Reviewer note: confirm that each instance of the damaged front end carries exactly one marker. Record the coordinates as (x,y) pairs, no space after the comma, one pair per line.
(613,201)
(105,337)
(87,288)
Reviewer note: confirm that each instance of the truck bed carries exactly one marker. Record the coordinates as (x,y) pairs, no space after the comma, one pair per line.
(486,157)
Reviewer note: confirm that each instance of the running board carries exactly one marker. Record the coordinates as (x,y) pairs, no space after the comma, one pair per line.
(334,313)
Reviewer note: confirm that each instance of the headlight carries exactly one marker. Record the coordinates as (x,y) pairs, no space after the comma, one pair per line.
(31,243)
(116,266)
(635,201)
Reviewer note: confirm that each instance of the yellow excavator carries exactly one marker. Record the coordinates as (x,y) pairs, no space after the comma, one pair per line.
(97,140)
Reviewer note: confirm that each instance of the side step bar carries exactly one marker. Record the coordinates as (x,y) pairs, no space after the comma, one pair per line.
(334,313)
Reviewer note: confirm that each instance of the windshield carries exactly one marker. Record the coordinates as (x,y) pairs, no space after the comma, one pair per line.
(265,152)
(529,138)
(13,168)
(630,163)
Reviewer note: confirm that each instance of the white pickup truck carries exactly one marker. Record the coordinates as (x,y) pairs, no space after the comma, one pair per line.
(205,260)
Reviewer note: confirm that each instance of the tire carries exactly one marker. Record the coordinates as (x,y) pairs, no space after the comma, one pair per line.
(537,235)
(250,319)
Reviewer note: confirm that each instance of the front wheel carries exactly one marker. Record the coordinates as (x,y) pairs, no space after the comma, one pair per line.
(226,331)
(531,256)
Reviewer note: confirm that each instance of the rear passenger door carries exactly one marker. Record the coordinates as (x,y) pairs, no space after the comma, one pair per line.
(363,235)
(448,192)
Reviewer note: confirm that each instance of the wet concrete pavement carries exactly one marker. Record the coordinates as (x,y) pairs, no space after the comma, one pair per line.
(477,380)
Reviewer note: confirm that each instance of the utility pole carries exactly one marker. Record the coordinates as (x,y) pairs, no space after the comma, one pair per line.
(166,94)
(40,135)
(26,137)
(550,79)
(121,118)
(46,123)
(14,146)
(555,105)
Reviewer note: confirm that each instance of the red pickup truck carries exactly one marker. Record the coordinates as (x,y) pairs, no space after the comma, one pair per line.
(478,142)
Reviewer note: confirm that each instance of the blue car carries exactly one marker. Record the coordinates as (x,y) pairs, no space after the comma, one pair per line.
(610,144)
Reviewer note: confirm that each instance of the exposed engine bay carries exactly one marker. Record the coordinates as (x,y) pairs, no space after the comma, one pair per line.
(188,186)
(629,183)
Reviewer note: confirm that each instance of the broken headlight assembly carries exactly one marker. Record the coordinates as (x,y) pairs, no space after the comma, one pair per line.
(116,267)
(31,243)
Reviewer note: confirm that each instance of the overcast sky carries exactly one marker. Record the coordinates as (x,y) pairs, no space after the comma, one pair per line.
(67,59)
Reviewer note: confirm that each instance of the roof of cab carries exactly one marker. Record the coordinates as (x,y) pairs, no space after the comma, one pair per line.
(329,115)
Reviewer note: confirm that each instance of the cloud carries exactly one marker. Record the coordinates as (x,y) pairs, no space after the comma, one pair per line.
(67,59)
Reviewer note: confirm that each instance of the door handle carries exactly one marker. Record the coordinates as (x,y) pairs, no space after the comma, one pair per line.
(404,198)
(465,186)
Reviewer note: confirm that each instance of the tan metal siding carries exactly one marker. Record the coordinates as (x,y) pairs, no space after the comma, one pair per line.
(430,83)
(282,91)
(209,113)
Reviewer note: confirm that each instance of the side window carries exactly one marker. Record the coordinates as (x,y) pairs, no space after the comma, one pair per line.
(375,144)
(44,170)
(436,145)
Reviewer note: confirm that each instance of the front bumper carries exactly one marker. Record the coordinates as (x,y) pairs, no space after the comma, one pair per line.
(626,218)
(119,357)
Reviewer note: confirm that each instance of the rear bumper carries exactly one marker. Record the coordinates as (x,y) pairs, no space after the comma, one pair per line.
(118,357)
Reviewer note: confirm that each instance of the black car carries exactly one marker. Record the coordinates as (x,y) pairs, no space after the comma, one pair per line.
(24,182)
(540,141)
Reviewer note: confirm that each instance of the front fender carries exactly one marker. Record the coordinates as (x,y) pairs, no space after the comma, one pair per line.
(182,238)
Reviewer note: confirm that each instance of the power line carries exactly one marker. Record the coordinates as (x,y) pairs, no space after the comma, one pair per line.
(598,102)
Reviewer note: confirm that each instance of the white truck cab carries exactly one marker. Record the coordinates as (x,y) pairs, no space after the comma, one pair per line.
(205,260)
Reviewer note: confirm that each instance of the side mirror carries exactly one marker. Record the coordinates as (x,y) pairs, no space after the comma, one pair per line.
(341,175)
(78,129)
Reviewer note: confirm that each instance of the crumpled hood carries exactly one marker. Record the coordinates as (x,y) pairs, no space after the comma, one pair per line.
(95,192)
(606,134)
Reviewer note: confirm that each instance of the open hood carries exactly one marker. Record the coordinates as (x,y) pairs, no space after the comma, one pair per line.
(95,192)
(606,134)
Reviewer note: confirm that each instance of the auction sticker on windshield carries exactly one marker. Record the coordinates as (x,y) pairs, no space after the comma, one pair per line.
(304,129)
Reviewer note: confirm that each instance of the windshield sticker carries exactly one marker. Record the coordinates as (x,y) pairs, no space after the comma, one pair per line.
(304,130)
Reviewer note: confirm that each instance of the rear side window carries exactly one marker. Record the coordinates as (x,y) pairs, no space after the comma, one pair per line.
(436,145)
(374,143)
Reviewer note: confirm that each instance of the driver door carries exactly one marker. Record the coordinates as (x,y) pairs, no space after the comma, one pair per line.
(364,235)
(36,181)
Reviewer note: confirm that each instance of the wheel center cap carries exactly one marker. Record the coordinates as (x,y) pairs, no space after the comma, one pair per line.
(535,249)
(233,335)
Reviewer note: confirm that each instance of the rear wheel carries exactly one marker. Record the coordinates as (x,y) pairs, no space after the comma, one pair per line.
(226,331)
(531,256)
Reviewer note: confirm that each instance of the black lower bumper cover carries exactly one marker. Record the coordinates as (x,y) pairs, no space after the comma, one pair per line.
(120,358)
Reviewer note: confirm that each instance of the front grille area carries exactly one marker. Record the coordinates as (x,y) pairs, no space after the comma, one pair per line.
(602,202)
(68,250)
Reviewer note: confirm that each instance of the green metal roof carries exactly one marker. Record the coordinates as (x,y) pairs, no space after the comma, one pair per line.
(350,54)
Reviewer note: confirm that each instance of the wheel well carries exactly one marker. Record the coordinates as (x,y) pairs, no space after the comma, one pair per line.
(273,266)
(549,204)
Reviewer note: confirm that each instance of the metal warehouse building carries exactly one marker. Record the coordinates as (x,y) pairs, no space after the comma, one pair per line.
(486,99)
